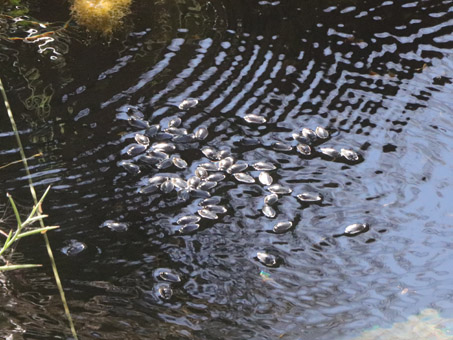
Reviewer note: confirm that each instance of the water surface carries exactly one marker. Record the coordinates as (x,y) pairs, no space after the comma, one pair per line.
(376,74)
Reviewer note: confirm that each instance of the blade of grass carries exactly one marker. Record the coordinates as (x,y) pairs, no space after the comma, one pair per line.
(33,219)
(16,212)
(37,231)
(38,204)
(5,245)
(19,266)
(33,194)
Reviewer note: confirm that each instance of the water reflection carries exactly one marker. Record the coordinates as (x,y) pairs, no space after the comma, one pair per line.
(376,75)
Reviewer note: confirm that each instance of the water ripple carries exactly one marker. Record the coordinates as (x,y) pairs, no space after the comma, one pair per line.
(376,75)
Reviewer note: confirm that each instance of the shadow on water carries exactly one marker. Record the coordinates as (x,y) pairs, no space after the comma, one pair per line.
(375,74)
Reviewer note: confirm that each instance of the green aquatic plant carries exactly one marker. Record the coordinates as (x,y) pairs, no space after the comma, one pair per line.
(14,8)
(102,16)
(23,230)
(33,217)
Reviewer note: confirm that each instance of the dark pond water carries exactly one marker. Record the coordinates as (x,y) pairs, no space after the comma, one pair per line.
(376,74)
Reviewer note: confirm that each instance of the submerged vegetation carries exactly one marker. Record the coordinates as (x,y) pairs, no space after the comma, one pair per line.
(18,23)
(98,16)
(102,16)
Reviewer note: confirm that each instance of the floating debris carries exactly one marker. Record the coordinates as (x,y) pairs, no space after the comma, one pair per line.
(209,166)
(301,139)
(138,123)
(152,130)
(165,292)
(282,227)
(215,177)
(201,133)
(268,211)
(189,228)
(193,181)
(183,138)
(73,247)
(188,219)
(209,152)
(188,103)
(254,119)
(222,154)
(356,228)
(135,149)
(279,189)
(225,163)
(205,213)
(330,152)
(179,162)
(115,226)
(201,172)
(349,155)
(184,194)
(280,146)
(200,193)
(236,168)
(167,186)
(304,149)
(157,180)
(177,131)
(322,133)
(164,147)
(249,141)
(142,139)
(179,183)
(309,134)
(243,177)
(130,167)
(163,136)
(170,276)
(266,259)
(158,154)
(210,201)
(149,189)
(265,178)
(175,122)
(164,164)
(218,164)
(271,199)
(150,160)
(218,209)
(264,166)
(310,197)
(206,185)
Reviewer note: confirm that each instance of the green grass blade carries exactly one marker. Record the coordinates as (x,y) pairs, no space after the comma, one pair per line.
(6,244)
(37,231)
(16,212)
(38,204)
(19,266)
(31,220)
